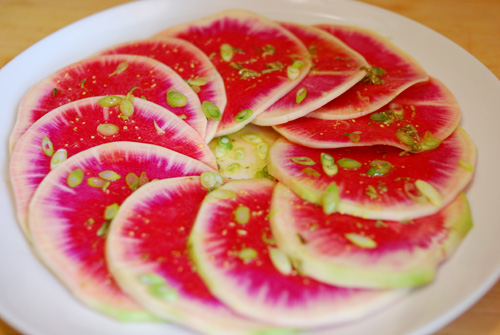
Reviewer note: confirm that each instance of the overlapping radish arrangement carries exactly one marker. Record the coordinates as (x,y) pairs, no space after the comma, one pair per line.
(148,178)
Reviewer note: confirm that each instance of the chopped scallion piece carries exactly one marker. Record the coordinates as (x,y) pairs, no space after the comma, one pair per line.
(268,50)
(97,182)
(176,99)
(379,116)
(220,151)
(354,136)
(164,292)
(429,192)
(252,138)
(239,154)
(262,150)
(126,109)
(132,181)
(243,115)
(302,160)
(58,158)
(223,194)
(211,111)
(143,179)
(225,142)
(330,199)
(198,81)
(280,260)
(107,129)
(361,241)
(312,172)
(292,72)
(110,211)
(379,168)
(211,180)
(328,163)
(349,164)
(151,279)
(109,175)
(242,214)
(466,165)
(430,142)
(247,255)
(226,52)
(301,95)
(234,167)
(103,230)
(47,146)
(75,178)
(120,68)
(158,129)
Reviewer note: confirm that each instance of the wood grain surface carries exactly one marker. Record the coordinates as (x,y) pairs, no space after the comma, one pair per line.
(472,24)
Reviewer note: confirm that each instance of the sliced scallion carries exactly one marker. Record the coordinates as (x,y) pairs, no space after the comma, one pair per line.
(132,181)
(47,146)
(243,115)
(349,164)
(303,160)
(176,99)
(247,254)
(107,129)
(311,172)
(429,192)
(211,111)
(301,95)
(226,52)
(58,158)
(330,199)
(110,211)
(242,214)
(75,178)
(361,240)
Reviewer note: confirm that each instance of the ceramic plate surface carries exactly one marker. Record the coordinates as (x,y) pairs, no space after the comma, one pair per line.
(33,301)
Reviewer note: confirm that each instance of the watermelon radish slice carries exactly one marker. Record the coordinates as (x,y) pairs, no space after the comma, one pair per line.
(356,252)
(190,63)
(243,154)
(376,182)
(78,125)
(391,72)
(235,254)
(72,208)
(418,119)
(155,222)
(109,75)
(259,61)
(336,68)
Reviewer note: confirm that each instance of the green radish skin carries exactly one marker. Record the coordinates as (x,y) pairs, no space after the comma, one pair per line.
(252,285)
(73,127)
(68,221)
(427,107)
(336,68)
(392,195)
(255,43)
(401,72)
(108,75)
(396,254)
(156,221)
(246,156)
(189,62)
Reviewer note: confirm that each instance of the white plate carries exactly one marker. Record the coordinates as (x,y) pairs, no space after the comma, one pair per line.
(34,301)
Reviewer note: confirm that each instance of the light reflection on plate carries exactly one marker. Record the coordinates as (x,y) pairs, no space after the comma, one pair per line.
(34,301)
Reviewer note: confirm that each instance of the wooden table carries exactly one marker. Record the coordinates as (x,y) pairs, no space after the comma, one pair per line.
(473,24)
